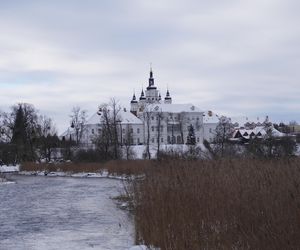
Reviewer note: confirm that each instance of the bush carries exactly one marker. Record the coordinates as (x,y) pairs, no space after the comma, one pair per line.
(7,154)
(89,155)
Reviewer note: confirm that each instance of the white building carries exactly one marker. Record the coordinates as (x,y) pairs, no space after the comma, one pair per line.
(151,118)
(246,128)
(210,122)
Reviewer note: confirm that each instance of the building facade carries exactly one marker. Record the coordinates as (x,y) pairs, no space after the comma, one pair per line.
(154,120)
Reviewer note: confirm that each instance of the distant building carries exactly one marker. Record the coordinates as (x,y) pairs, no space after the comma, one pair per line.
(155,118)
(246,128)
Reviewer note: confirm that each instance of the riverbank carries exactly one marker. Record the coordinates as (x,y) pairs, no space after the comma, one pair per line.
(120,170)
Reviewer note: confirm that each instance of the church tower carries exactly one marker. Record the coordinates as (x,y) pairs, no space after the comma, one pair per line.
(152,95)
(134,105)
(168,98)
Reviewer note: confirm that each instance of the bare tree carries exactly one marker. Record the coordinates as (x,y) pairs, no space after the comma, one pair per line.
(78,121)
(127,142)
(116,122)
(108,141)
(47,138)
(181,122)
(159,118)
(223,133)
(147,121)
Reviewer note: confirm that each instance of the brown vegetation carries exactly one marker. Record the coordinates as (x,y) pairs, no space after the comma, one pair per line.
(224,204)
(114,167)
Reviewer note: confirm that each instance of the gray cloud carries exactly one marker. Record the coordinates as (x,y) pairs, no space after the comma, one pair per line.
(235,57)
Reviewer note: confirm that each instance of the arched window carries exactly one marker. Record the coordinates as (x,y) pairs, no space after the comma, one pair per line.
(178,139)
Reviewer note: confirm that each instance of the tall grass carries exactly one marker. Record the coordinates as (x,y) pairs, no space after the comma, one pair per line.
(226,204)
(114,167)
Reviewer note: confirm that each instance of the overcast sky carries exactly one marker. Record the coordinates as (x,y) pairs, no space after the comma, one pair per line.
(233,57)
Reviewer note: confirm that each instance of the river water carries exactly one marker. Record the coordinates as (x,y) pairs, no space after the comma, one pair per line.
(62,213)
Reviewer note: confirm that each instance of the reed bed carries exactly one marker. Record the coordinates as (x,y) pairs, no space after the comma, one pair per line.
(224,204)
(116,167)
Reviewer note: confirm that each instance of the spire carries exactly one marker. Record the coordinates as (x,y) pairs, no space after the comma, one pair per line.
(133,99)
(168,93)
(142,97)
(168,98)
(151,72)
(151,79)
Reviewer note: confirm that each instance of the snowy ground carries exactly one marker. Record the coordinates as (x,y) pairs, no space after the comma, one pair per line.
(63,213)
(9,169)
(140,149)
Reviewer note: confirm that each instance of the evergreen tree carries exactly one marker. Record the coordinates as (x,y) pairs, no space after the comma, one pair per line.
(24,132)
(191,140)
(19,134)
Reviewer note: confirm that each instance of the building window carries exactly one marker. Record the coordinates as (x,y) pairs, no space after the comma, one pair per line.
(210,130)
(198,139)
(138,140)
(93,131)
(131,130)
(152,128)
(138,130)
(152,118)
(162,139)
(161,128)
(99,131)
(173,139)
(152,140)
(123,130)
(178,139)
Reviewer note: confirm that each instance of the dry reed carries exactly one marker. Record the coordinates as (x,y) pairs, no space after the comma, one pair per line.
(226,204)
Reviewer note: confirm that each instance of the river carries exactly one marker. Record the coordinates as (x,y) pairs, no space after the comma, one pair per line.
(62,213)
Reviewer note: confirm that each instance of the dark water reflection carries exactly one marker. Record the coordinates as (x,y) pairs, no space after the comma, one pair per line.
(62,213)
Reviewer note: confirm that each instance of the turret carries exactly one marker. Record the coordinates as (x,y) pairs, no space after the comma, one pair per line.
(142,97)
(134,105)
(168,99)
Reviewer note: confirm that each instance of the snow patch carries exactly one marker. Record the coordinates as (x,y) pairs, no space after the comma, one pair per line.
(142,247)
(9,169)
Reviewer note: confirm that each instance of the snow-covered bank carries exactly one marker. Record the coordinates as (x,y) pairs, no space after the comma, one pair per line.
(102,174)
(9,169)
(142,247)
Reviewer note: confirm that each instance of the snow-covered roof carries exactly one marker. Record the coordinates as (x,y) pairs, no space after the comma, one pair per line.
(242,120)
(126,117)
(259,131)
(210,117)
(173,108)
(67,132)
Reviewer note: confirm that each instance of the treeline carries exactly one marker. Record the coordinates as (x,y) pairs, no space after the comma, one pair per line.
(26,135)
